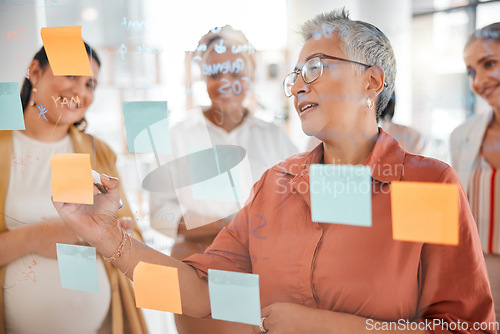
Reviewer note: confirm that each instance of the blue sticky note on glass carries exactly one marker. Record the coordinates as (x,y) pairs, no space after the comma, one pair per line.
(341,194)
(78,267)
(234,296)
(11,111)
(213,179)
(146,124)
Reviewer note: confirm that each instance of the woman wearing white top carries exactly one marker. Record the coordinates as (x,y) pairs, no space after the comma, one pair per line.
(32,299)
(475,148)
(227,63)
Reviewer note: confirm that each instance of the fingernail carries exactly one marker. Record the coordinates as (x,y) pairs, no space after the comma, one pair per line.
(105,177)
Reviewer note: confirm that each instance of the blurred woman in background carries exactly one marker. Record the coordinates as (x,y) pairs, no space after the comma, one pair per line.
(475,148)
(227,62)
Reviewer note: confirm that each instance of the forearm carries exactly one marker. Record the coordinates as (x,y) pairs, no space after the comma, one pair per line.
(194,290)
(15,244)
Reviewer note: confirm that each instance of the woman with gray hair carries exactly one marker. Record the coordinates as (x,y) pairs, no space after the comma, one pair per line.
(329,278)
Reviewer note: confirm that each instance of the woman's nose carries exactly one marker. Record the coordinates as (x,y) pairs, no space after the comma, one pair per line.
(299,86)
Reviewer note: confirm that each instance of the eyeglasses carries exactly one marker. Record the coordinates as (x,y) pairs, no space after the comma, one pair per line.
(312,70)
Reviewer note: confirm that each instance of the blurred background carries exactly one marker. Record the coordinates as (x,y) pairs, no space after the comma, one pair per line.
(145,45)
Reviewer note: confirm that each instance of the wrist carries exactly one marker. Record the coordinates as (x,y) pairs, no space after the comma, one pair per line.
(110,242)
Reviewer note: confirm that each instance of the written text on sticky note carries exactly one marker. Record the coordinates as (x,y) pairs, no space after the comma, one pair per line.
(234,296)
(147,128)
(341,194)
(11,112)
(157,287)
(66,51)
(425,212)
(72,178)
(78,267)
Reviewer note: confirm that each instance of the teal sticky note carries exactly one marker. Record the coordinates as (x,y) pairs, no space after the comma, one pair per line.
(146,124)
(341,194)
(78,267)
(11,112)
(213,180)
(234,296)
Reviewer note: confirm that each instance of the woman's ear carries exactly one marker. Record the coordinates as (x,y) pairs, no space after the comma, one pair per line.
(35,72)
(376,79)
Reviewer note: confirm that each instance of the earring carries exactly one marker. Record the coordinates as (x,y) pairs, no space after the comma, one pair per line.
(369,103)
(34,90)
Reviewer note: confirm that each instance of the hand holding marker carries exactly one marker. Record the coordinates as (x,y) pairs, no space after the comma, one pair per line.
(97,182)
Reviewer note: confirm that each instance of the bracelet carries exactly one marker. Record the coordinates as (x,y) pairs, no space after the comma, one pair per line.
(130,255)
(119,251)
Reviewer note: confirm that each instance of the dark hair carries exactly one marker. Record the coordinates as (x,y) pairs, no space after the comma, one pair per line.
(41,56)
(388,112)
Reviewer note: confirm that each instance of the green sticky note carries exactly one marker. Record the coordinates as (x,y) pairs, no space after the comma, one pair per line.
(11,111)
(341,194)
(234,296)
(78,267)
(147,128)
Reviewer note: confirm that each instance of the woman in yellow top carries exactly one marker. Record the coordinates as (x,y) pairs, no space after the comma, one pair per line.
(31,298)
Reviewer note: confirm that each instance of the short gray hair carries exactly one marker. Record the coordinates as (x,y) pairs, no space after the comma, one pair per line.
(360,41)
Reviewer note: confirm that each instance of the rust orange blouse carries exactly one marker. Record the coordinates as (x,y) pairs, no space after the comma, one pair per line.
(353,269)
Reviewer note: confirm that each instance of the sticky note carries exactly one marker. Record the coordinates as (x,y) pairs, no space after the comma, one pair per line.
(425,212)
(66,51)
(157,287)
(72,178)
(234,296)
(78,267)
(341,194)
(212,179)
(11,113)
(147,128)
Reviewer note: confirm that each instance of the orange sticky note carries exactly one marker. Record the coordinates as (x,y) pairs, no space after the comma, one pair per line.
(425,212)
(66,51)
(157,288)
(72,178)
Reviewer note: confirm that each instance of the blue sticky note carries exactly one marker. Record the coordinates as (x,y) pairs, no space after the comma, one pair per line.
(212,181)
(234,296)
(341,194)
(78,267)
(11,112)
(147,128)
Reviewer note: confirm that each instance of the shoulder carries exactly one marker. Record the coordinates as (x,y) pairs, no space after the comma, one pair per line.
(470,124)
(420,168)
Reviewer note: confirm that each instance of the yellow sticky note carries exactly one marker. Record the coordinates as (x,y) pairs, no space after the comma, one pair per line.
(425,212)
(66,51)
(72,178)
(157,288)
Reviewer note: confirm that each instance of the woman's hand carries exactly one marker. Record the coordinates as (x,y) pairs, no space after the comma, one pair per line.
(94,223)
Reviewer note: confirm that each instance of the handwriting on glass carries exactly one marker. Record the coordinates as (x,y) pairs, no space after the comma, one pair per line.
(65,101)
(136,25)
(29,275)
(42,112)
(11,35)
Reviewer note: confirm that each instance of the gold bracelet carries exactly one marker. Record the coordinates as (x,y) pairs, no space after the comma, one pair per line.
(119,251)
(130,255)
